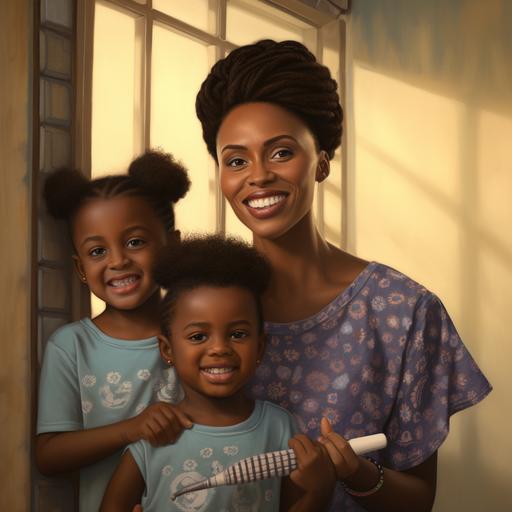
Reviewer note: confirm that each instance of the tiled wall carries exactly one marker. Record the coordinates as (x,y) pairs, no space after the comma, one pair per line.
(56,144)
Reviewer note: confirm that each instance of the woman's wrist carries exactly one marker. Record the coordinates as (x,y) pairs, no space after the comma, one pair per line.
(365,478)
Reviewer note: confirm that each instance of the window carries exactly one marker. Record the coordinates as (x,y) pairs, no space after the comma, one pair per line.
(148,60)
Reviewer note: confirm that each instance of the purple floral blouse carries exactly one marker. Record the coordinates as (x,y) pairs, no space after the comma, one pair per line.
(384,356)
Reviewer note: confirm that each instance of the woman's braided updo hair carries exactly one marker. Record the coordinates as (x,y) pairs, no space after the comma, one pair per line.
(286,74)
(155,176)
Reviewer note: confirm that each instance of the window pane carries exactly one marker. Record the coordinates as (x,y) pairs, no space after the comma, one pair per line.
(116,92)
(179,66)
(248,21)
(198,13)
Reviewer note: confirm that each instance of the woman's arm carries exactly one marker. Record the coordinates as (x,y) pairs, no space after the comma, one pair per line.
(160,424)
(126,487)
(309,488)
(402,491)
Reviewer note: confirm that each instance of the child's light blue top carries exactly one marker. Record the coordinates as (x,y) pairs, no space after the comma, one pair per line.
(88,380)
(203,451)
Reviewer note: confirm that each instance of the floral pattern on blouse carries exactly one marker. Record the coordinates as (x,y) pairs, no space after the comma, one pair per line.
(384,356)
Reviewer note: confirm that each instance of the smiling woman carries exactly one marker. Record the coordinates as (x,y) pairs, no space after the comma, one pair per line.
(352,341)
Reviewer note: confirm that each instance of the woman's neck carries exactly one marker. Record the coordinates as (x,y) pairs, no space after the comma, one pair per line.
(308,272)
(133,324)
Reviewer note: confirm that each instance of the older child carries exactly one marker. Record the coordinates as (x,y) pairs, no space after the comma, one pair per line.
(213,335)
(101,375)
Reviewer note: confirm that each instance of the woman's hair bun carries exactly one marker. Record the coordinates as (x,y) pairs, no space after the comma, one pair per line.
(63,191)
(160,174)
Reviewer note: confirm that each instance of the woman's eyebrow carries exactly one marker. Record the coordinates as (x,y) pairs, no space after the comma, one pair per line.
(265,144)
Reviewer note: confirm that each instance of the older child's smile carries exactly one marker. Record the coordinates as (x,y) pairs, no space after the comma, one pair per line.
(125,284)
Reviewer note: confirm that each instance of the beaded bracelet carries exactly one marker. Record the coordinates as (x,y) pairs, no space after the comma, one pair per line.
(374,489)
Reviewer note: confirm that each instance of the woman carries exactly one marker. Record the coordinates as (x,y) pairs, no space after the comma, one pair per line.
(356,342)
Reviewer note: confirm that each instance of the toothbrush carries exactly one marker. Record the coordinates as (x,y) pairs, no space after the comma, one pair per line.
(273,464)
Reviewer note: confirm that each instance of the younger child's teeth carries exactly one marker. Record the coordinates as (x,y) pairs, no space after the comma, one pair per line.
(265,202)
(217,371)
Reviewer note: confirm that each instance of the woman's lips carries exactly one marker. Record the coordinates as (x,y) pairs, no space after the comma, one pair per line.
(265,206)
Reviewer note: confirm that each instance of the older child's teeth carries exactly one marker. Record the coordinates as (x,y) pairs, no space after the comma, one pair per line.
(116,283)
(265,202)
(217,371)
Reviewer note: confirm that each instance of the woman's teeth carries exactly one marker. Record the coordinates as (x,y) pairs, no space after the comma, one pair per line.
(118,283)
(265,202)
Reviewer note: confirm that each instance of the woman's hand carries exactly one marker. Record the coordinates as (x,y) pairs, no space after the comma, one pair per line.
(159,424)
(346,462)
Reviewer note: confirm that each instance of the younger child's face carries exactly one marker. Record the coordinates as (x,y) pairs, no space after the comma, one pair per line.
(215,342)
(116,242)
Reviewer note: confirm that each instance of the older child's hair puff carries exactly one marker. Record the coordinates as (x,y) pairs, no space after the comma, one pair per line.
(286,74)
(209,260)
(155,176)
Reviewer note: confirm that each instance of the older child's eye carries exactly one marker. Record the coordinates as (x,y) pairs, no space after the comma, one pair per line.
(135,243)
(238,335)
(197,337)
(97,252)
(236,162)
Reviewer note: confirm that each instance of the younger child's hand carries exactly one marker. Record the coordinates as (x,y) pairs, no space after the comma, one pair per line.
(159,424)
(315,473)
(346,462)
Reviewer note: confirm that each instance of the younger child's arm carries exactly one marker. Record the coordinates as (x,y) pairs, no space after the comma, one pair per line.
(309,488)
(57,452)
(126,487)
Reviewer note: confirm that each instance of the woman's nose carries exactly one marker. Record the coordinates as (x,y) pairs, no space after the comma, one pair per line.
(261,174)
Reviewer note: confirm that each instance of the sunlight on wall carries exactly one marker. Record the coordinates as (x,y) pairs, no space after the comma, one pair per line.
(407,167)
(116,91)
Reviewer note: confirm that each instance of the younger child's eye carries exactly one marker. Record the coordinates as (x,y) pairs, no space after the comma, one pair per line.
(135,242)
(238,335)
(197,337)
(97,252)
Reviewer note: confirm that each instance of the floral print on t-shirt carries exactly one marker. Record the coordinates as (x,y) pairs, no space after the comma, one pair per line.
(384,356)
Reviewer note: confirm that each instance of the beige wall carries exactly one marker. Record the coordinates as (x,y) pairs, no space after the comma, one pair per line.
(430,183)
(15,170)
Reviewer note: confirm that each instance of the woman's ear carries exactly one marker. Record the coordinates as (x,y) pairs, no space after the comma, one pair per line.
(165,349)
(79,269)
(323,167)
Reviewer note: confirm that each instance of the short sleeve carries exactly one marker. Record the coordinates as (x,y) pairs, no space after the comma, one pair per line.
(439,378)
(59,408)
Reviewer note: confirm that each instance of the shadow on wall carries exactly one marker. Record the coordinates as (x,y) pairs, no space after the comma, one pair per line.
(430,186)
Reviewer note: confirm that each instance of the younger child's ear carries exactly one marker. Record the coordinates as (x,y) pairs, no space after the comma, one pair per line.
(165,349)
(79,269)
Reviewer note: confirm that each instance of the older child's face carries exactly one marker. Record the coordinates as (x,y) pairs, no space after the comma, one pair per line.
(269,164)
(215,341)
(116,242)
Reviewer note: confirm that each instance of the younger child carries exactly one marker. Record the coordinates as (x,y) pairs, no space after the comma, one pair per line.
(100,375)
(213,336)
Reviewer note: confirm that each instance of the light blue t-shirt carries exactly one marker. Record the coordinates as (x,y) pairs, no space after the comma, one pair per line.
(88,380)
(202,452)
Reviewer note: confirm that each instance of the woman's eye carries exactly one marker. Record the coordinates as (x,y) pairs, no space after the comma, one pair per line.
(197,337)
(135,242)
(238,335)
(96,252)
(282,153)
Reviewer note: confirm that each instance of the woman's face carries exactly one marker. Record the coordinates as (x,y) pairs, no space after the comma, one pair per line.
(268,164)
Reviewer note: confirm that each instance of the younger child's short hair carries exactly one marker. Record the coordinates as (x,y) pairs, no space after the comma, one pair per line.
(209,260)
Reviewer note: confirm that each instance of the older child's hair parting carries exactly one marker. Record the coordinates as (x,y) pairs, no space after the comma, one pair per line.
(155,176)
(286,74)
(209,261)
